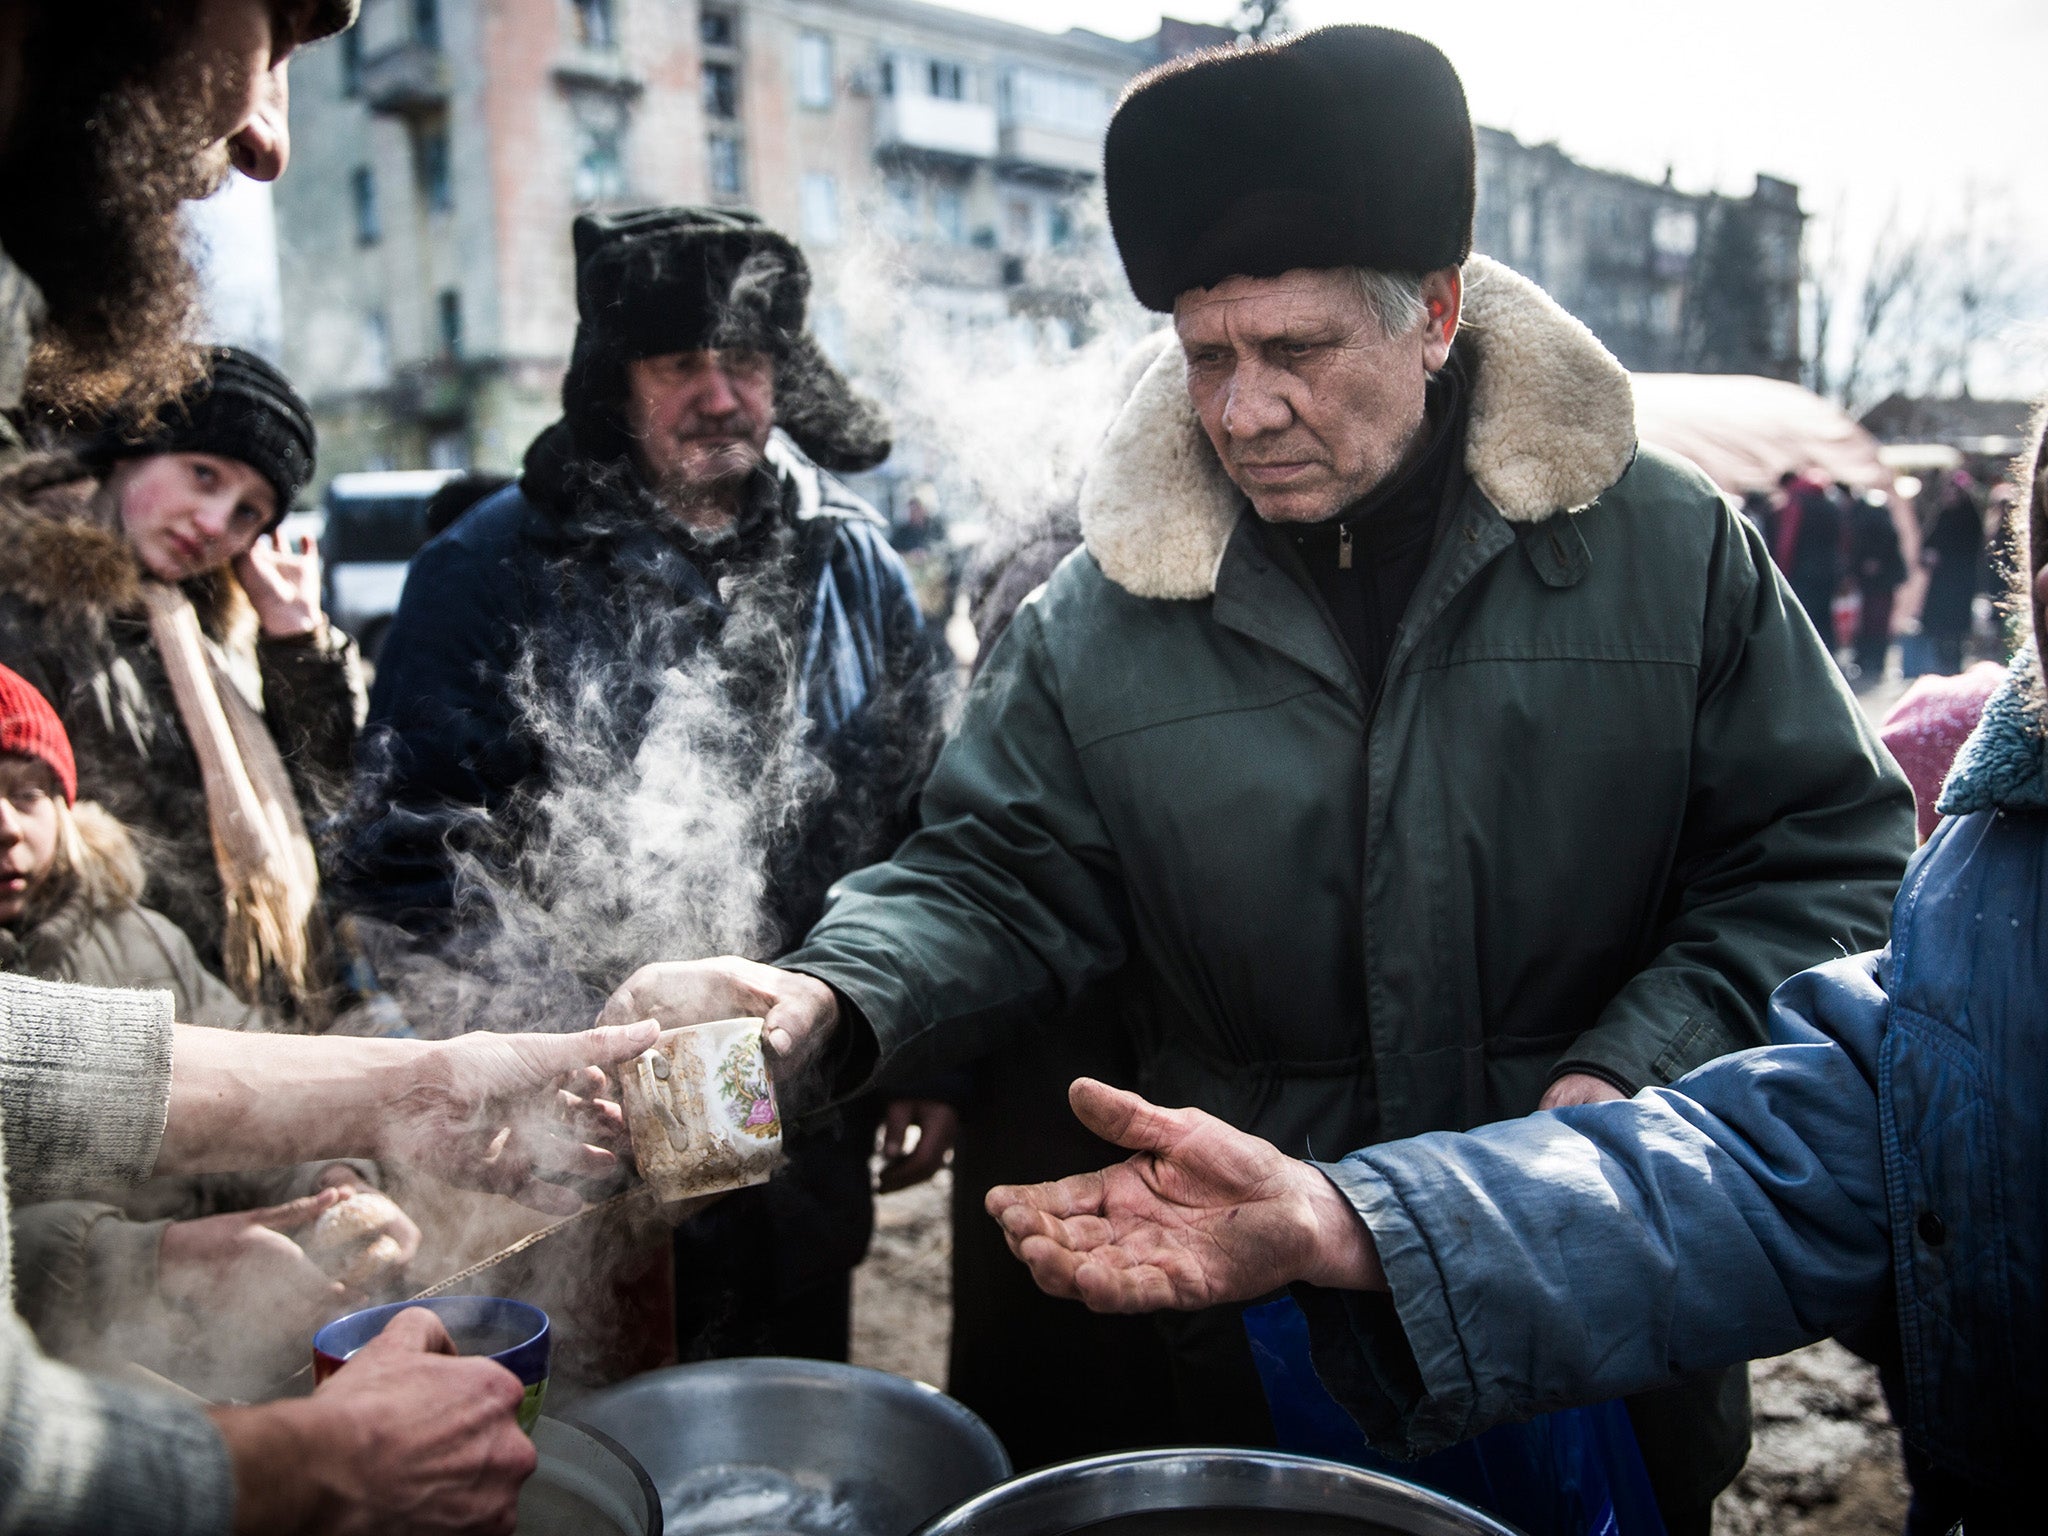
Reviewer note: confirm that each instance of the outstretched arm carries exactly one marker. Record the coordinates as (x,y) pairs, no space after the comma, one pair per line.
(513,1114)
(1567,1258)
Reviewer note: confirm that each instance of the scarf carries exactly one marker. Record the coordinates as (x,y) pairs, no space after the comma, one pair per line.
(267,868)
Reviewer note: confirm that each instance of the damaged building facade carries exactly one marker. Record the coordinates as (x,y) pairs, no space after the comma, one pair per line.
(1671,281)
(443,147)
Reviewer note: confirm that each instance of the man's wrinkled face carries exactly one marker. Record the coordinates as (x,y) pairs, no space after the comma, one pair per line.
(700,420)
(29,797)
(128,110)
(188,513)
(1308,402)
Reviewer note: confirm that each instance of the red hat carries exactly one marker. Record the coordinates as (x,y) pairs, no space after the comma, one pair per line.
(29,726)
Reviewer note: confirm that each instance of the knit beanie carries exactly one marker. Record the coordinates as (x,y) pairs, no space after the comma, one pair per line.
(30,728)
(242,409)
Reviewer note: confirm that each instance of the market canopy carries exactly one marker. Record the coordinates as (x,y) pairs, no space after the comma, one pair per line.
(1746,431)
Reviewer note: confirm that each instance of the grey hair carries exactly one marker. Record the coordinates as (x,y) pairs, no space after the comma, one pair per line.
(1394,298)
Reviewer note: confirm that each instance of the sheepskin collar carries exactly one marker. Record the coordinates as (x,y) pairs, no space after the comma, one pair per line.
(2004,764)
(59,555)
(1552,426)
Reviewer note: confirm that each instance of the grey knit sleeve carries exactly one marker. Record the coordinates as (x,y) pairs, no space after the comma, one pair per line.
(82,1454)
(85,1084)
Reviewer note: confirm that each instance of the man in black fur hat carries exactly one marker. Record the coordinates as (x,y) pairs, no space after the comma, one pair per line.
(1409,746)
(680,517)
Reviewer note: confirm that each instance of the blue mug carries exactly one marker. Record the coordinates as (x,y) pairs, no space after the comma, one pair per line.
(513,1333)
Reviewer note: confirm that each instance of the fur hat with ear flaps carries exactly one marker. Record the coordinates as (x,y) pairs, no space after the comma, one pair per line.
(1343,147)
(662,280)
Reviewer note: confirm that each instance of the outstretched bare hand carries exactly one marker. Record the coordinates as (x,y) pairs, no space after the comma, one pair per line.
(515,1115)
(1203,1215)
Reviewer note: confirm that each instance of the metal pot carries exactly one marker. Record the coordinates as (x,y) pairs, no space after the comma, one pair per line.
(796,1447)
(585,1485)
(1211,1493)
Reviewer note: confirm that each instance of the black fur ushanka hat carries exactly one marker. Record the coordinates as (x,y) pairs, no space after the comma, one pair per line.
(1345,146)
(660,280)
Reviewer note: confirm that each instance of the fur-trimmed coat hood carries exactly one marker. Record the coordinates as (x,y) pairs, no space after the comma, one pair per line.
(1552,427)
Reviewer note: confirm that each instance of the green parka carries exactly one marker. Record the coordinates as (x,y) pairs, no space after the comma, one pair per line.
(1613,792)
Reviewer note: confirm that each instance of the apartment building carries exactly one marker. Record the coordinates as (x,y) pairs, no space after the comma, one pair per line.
(444,146)
(1671,281)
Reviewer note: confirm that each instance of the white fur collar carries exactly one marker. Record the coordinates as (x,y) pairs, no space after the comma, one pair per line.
(1552,426)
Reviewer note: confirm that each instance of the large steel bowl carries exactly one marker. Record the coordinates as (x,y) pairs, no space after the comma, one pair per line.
(585,1485)
(1211,1493)
(797,1447)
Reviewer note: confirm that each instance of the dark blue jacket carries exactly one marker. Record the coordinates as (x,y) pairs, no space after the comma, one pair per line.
(1887,1153)
(527,588)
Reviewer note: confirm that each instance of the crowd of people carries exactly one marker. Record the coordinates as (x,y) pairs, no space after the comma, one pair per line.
(1383,754)
(1847,560)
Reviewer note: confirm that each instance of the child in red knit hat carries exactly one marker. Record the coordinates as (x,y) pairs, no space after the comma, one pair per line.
(36,769)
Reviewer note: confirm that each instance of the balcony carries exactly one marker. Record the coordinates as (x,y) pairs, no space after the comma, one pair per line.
(929,125)
(1029,146)
(406,79)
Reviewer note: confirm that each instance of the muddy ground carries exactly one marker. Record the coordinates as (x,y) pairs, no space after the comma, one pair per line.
(1825,1462)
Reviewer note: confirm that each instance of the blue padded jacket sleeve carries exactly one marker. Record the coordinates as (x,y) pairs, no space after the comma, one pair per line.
(1580,1255)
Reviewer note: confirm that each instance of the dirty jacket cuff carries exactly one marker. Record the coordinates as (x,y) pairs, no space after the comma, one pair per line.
(859,1045)
(1397,1367)
(85,1085)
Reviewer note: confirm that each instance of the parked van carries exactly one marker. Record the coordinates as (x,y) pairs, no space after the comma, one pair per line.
(376,522)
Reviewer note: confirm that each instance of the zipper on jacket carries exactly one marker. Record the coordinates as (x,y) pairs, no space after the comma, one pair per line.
(1343,546)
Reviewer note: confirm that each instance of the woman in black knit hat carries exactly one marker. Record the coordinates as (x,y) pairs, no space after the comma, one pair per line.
(144,591)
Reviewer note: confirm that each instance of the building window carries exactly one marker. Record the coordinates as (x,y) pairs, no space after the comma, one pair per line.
(718,27)
(437,181)
(888,77)
(948,82)
(1018,224)
(814,69)
(377,346)
(426,23)
(599,120)
(949,215)
(352,62)
(906,208)
(363,190)
(821,207)
(721,91)
(726,179)
(1059,227)
(594,24)
(448,306)
(600,163)
(1072,103)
